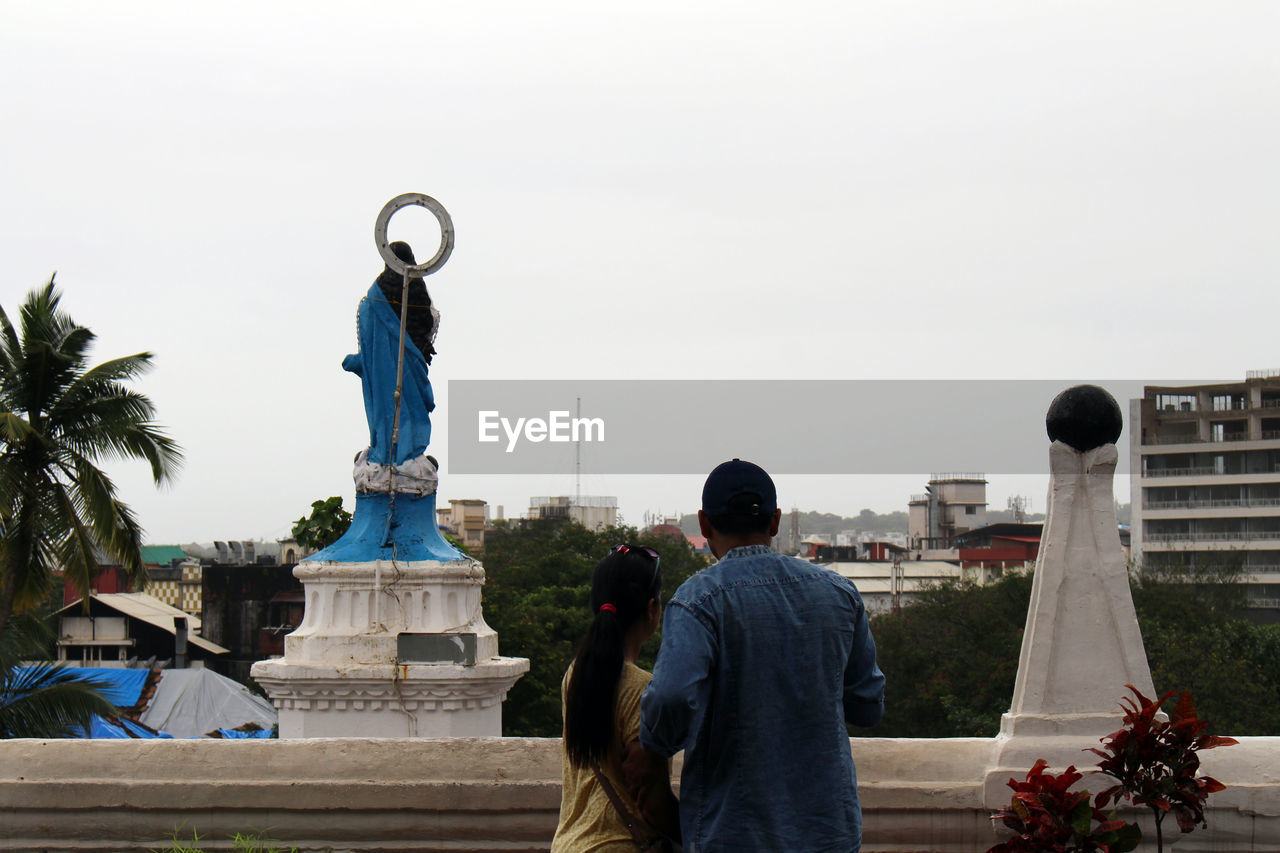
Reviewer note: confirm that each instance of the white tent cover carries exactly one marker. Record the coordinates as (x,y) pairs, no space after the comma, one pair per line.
(194,702)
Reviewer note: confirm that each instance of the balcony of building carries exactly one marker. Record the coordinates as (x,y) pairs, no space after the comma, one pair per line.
(1169,441)
(1175,403)
(1225,538)
(1203,529)
(1238,503)
(1241,463)
(1173,500)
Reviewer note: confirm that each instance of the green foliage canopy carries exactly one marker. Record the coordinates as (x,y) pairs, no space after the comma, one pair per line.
(326,524)
(950,659)
(1196,641)
(538,583)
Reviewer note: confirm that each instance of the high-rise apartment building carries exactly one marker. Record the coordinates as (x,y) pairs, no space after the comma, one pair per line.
(1205,464)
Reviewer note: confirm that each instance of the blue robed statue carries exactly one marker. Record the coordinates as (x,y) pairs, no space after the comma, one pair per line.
(395,516)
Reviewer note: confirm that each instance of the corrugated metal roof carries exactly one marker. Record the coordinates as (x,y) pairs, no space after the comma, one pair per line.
(153,611)
(861,570)
(162,555)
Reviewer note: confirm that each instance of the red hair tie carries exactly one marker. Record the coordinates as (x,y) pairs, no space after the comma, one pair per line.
(609,607)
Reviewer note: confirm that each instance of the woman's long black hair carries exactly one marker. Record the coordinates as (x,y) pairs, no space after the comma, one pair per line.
(621,588)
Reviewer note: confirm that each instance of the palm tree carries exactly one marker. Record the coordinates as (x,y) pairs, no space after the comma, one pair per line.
(42,700)
(59,418)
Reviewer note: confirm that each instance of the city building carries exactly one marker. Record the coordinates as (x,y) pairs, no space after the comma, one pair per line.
(249,609)
(173,577)
(291,553)
(131,626)
(592,512)
(889,585)
(988,552)
(1205,486)
(466,519)
(951,504)
(110,577)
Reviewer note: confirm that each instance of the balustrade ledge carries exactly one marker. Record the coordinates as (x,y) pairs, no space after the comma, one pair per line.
(489,794)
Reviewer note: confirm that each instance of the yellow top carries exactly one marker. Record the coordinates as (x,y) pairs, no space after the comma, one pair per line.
(588,821)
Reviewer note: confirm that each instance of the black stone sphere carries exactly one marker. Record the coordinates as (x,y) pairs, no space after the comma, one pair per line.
(1085,417)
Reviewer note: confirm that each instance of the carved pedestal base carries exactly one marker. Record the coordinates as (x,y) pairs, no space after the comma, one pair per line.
(390,701)
(390,649)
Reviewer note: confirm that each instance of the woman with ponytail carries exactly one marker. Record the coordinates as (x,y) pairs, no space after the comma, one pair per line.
(601,694)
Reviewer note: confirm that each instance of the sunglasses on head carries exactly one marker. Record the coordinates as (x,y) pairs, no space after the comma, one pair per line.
(657,558)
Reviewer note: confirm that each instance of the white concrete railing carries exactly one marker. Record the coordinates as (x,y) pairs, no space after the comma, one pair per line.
(491,794)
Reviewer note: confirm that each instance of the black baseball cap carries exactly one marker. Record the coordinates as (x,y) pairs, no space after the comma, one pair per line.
(738,479)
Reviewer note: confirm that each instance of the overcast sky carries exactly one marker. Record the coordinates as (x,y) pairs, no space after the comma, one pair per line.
(708,190)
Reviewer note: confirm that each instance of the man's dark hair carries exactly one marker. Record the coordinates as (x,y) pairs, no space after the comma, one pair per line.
(741,519)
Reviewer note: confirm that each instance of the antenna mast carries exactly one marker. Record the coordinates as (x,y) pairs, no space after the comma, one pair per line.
(577,459)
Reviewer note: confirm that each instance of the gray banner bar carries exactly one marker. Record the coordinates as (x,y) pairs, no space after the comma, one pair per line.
(787,426)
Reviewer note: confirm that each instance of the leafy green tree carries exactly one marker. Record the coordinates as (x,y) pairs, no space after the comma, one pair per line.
(538,582)
(59,419)
(42,700)
(326,524)
(950,659)
(1197,641)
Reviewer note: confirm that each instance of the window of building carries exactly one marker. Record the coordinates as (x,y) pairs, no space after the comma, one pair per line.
(1228,402)
(971,510)
(1175,402)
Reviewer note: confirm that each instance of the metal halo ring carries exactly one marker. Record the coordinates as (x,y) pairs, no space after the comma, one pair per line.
(384,245)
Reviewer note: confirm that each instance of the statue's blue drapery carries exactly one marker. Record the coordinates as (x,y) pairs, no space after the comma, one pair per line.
(404,528)
(379,330)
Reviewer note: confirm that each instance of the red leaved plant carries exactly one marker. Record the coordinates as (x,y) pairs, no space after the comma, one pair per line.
(1155,761)
(1046,816)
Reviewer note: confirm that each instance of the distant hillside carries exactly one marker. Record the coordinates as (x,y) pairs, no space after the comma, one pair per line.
(828,524)
(995,516)
(1001,516)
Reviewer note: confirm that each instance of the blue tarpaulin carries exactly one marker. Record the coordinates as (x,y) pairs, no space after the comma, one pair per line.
(120,728)
(185,703)
(120,687)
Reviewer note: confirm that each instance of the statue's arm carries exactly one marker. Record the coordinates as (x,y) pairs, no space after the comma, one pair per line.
(354,364)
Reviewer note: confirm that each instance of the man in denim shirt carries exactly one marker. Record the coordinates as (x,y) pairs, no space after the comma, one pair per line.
(764,659)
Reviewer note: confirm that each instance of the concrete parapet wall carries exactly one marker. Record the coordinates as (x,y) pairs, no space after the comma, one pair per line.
(486,794)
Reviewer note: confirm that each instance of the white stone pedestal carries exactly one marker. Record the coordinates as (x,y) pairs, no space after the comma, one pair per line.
(1082,643)
(342,674)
